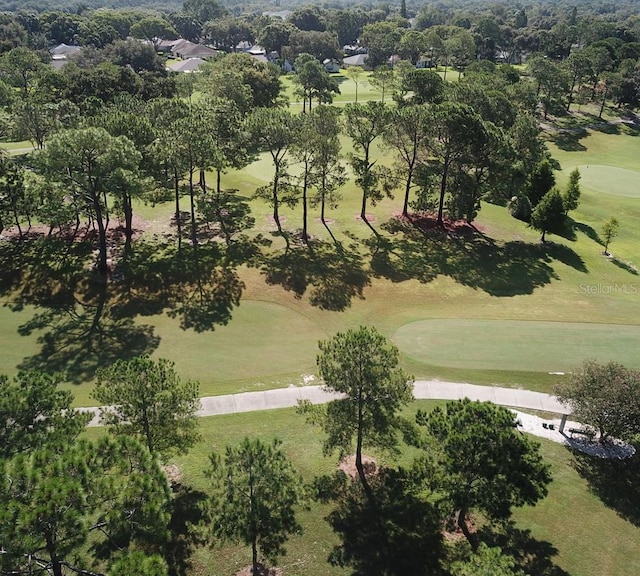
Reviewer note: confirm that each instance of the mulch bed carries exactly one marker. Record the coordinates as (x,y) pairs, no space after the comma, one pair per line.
(348,466)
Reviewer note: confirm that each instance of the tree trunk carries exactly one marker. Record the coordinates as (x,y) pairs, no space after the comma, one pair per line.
(462,524)
(203,181)
(176,182)
(128,223)
(359,465)
(305,235)
(17,221)
(443,189)
(194,237)
(56,565)
(407,189)
(604,99)
(274,198)
(102,238)
(254,557)
(542,239)
(365,187)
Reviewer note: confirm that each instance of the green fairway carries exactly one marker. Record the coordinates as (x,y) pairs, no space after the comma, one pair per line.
(278,345)
(559,532)
(516,345)
(610,180)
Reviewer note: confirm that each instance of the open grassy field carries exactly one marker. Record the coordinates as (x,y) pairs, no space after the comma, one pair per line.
(580,529)
(505,276)
(495,307)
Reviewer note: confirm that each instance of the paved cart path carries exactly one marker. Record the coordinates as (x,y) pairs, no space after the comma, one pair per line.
(422,390)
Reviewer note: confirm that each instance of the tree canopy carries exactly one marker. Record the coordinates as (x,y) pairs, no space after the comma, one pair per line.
(35,414)
(255,493)
(605,397)
(147,399)
(487,464)
(362,366)
(51,503)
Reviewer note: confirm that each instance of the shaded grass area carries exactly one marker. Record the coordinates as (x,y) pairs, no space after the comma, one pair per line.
(587,525)
(249,317)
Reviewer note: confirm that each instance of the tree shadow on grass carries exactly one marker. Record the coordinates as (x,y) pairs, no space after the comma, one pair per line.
(588,231)
(84,323)
(569,140)
(566,255)
(189,511)
(469,258)
(198,286)
(626,266)
(397,535)
(531,555)
(78,336)
(614,481)
(332,276)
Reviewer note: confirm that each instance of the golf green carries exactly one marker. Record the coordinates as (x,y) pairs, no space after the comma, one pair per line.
(610,180)
(516,345)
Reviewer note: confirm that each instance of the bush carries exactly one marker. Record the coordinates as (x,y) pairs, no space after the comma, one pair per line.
(520,207)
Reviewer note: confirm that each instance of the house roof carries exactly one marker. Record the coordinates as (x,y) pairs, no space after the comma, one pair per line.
(259,58)
(195,51)
(64,50)
(255,50)
(284,14)
(164,45)
(58,63)
(357,60)
(181,44)
(189,65)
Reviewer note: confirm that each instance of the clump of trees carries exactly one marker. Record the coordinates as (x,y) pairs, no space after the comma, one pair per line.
(147,400)
(474,460)
(605,397)
(59,491)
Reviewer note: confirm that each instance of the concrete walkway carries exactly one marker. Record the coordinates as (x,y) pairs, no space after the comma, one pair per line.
(422,389)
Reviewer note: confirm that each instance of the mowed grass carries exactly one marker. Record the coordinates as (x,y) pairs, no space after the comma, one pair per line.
(271,339)
(581,535)
(610,180)
(516,345)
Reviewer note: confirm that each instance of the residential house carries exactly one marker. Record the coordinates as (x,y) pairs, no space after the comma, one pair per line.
(61,54)
(331,65)
(357,60)
(187,66)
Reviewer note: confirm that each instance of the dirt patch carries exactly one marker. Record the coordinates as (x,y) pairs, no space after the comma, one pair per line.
(262,571)
(368,217)
(452,533)
(115,231)
(281,219)
(348,466)
(429,222)
(174,475)
(327,221)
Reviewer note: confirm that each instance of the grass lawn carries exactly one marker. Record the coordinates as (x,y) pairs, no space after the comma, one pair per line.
(516,345)
(503,280)
(564,527)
